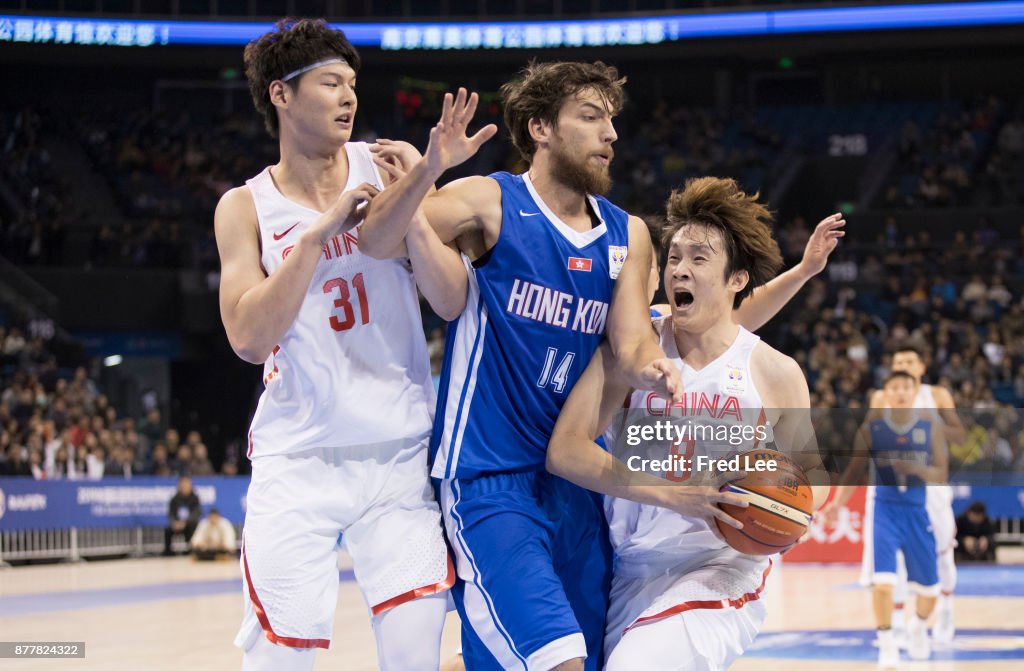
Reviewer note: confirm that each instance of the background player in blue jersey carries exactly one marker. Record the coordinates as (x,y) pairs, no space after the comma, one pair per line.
(554,267)
(908,448)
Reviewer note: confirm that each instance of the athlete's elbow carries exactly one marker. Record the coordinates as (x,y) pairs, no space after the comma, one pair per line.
(247,347)
(251,355)
(555,460)
(373,246)
(450,310)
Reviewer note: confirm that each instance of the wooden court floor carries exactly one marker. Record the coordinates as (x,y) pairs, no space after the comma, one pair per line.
(161,614)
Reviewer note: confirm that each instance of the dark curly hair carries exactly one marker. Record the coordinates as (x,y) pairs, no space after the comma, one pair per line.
(293,44)
(541,88)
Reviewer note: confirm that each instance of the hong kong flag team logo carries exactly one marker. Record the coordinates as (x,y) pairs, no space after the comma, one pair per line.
(582,265)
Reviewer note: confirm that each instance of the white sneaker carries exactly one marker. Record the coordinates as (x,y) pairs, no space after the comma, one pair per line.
(918,644)
(944,629)
(888,650)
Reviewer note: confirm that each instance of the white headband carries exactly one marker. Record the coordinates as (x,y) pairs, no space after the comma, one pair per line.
(329,61)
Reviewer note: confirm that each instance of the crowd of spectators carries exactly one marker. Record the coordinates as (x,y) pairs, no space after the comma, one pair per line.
(971,156)
(951,301)
(57,424)
(167,168)
(34,200)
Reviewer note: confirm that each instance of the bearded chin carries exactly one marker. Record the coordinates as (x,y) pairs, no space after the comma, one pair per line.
(578,175)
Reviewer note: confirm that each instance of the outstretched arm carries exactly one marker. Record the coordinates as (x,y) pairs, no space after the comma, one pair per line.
(640,359)
(387,222)
(438,267)
(766,301)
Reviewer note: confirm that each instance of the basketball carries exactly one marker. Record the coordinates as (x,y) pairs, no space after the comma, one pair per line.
(780,505)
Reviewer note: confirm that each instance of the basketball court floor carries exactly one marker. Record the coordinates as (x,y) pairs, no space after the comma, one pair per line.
(171,613)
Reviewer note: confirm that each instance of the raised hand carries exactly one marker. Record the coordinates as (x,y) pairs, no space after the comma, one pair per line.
(821,243)
(449,145)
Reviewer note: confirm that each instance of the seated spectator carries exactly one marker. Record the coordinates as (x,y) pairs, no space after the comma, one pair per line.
(16,465)
(974,534)
(214,537)
(200,464)
(182,461)
(159,464)
(183,514)
(975,290)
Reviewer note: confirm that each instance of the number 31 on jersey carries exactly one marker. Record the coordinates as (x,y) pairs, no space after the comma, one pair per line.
(347,317)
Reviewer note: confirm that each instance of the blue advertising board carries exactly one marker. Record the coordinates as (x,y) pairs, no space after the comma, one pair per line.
(142,501)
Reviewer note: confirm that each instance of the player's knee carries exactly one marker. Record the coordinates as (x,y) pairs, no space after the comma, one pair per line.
(409,636)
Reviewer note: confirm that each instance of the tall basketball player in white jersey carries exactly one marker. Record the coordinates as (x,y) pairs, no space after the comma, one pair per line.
(681,597)
(939,497)
(339,439)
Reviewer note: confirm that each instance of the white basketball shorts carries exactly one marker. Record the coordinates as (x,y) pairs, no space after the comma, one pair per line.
(375,501)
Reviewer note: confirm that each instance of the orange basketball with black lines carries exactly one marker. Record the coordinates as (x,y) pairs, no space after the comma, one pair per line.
(780,505)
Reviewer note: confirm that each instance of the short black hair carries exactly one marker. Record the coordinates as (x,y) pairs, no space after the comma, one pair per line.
(291,45)
(909,347)
(898,375)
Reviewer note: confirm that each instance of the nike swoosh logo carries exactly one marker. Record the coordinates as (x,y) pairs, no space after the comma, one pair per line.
(278,236)
(528,214)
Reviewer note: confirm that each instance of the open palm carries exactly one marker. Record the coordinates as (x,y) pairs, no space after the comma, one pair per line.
(449,145)
(822,242)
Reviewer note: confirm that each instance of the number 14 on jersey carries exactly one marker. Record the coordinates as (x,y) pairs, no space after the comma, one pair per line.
(556,376)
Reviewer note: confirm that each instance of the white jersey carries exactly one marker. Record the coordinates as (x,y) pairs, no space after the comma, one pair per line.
(353,368)
(649,538)
(935,494)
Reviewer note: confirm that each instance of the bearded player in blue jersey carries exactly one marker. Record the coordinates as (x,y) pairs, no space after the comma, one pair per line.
(554,268)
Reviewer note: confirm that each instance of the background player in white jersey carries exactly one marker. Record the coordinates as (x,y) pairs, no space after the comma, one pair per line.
(338,442)
(681,597)
(939,498)
(907,448)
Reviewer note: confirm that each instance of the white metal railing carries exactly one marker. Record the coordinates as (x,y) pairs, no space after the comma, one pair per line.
(76,544)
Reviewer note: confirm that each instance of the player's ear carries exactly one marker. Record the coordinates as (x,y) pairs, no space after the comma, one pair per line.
(738,280)
(278,93)
(540,130)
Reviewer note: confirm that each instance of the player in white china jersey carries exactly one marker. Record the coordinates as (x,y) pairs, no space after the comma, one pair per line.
(681,597)
(339,439)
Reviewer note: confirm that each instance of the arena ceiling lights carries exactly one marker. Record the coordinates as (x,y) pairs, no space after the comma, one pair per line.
(523,34)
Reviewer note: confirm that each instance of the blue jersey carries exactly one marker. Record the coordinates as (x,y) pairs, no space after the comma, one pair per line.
(890,443)
(537,309)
